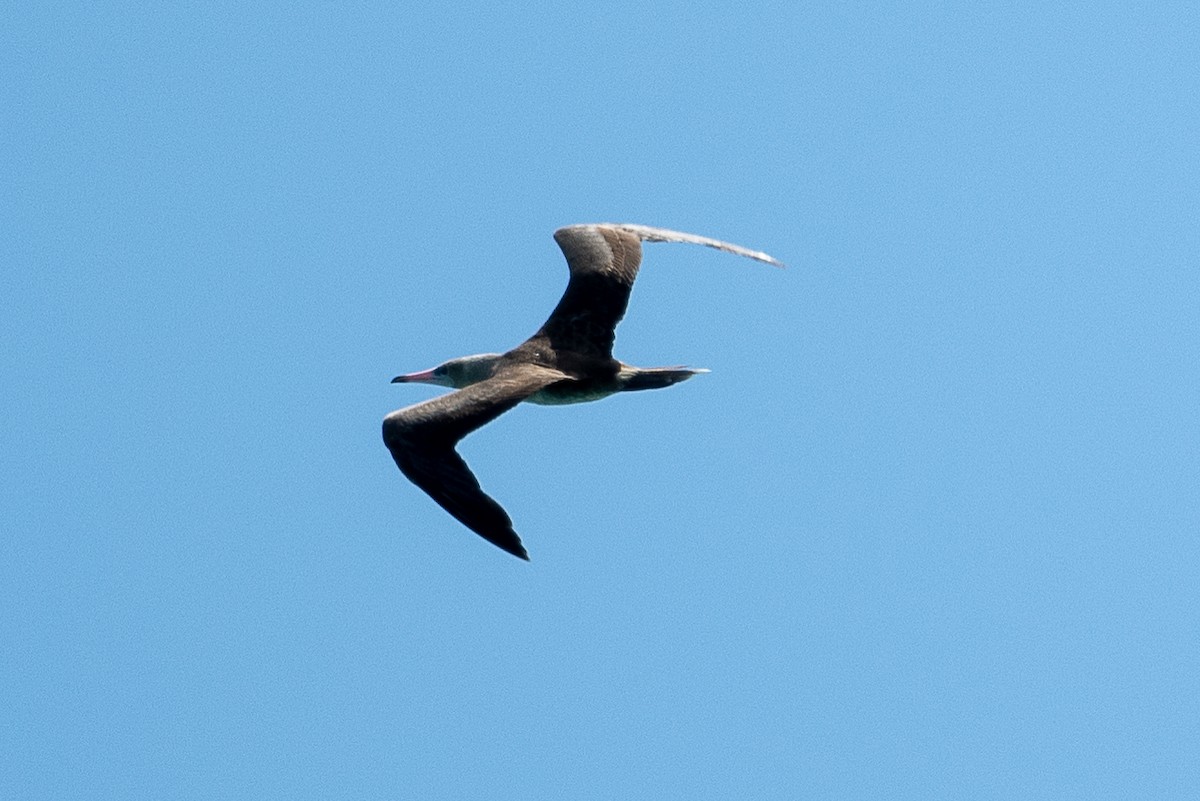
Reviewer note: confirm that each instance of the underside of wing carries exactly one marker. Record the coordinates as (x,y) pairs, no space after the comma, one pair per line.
(445,477)
(603,263)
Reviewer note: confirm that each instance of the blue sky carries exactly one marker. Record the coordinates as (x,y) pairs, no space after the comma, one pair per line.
(928,529)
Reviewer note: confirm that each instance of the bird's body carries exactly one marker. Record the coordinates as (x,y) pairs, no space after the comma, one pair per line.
(569,360)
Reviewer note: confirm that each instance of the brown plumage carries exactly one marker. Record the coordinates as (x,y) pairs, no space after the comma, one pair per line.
(568,360)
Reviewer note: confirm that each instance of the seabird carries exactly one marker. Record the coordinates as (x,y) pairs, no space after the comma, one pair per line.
(569,360)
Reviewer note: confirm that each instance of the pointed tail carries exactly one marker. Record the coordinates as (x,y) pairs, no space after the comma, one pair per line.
(656,377)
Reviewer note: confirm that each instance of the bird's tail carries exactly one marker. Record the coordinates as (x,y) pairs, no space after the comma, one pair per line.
(657,377)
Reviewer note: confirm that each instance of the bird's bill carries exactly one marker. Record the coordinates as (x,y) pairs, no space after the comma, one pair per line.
(423,377)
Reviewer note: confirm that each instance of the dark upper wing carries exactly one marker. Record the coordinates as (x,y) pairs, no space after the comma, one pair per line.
(422,437)
(603,259)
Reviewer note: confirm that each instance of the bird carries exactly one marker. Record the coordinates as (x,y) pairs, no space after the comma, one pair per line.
(568,360)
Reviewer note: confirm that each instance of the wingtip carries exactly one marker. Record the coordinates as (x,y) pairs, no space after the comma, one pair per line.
(647,233)
(515,547)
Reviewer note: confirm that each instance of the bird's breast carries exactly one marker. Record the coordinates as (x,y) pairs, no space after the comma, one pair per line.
(565,392)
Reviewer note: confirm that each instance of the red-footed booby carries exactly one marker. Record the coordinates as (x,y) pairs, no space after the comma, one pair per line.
(569,360)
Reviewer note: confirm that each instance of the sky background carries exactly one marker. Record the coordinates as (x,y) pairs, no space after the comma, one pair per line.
(928,529)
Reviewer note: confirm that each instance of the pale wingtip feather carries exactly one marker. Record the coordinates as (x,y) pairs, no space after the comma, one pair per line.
(649,233)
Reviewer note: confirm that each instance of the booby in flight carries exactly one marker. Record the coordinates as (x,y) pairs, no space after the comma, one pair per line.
(569,360)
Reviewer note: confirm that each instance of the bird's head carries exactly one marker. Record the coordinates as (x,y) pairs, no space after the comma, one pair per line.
(456,373)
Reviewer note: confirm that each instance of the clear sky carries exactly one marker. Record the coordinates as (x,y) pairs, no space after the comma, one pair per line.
(928,530)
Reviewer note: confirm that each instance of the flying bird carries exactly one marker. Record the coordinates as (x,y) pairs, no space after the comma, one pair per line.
(569,360)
